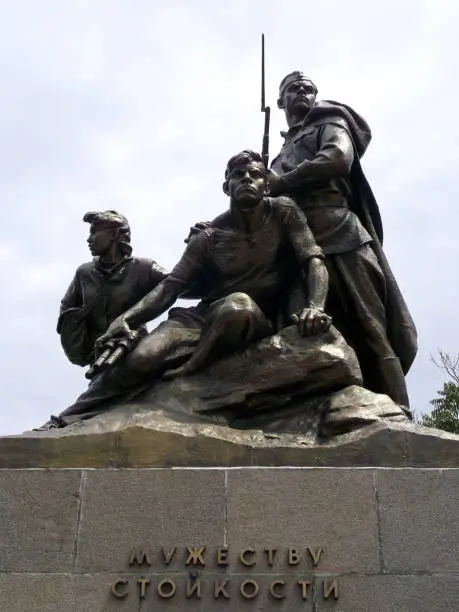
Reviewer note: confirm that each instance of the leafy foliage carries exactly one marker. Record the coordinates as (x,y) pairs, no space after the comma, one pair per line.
(445,413)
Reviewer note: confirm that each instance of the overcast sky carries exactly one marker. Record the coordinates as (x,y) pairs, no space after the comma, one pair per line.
(138,104)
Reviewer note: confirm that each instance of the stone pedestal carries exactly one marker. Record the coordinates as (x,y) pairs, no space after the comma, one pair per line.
(209,539)
(137,511)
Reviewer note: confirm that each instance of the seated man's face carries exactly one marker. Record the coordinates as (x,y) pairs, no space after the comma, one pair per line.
(247,184)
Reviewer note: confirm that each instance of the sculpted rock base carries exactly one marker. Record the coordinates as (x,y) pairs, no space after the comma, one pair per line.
(252,408)
(275,384)
(137,436)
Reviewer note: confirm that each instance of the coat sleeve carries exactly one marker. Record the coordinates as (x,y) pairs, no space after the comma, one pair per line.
(333,159)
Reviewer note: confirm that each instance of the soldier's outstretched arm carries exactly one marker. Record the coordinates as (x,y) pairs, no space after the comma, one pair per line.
(316,283)
(165,294)
(311,260)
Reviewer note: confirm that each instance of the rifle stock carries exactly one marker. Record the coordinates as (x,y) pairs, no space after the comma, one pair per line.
(265,147)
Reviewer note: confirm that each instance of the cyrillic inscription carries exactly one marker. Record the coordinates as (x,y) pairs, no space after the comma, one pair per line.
(193,578)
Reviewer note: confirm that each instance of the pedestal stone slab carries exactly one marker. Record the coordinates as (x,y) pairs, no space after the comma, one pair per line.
(418,529)
(147,509)
(341,539)
(318,508)
(61,593)
(429,593)
(38,520)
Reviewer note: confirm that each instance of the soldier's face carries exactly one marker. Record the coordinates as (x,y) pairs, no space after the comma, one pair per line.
(100,240)
(247,184)
(299,97)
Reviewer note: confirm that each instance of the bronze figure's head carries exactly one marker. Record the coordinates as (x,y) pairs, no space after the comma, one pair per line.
(108,229)
(245,179)
(297,94)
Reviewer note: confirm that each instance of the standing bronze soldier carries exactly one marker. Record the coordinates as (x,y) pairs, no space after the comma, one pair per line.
(319,167)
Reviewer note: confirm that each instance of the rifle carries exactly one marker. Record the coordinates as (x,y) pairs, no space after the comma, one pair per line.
(264,109)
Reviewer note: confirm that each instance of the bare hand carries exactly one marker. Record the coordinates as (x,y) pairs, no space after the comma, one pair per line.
(276,187)
(311,321)
(197,227)
(117,329)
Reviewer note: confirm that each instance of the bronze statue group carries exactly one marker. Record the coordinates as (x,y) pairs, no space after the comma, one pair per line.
(300,244)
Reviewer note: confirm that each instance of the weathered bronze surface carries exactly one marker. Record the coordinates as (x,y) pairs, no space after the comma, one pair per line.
(270,404)
(300,244)
(319,167)
(104,288)
(135,435)
(256,269)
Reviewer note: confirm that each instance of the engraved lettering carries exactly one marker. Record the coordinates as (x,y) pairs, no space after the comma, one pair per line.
(222,555)
(315,555)
(330,587)
(193,586)
(166,589)
(243,557)
(253,591)
(304,584)
(117,589)
(168,555)
(293,556)
(271,552)
(195,556)
(220,589)
(272,589)
(143,583)
(139,557)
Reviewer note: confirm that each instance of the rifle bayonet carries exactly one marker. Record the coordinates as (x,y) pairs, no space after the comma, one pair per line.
(264,109)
